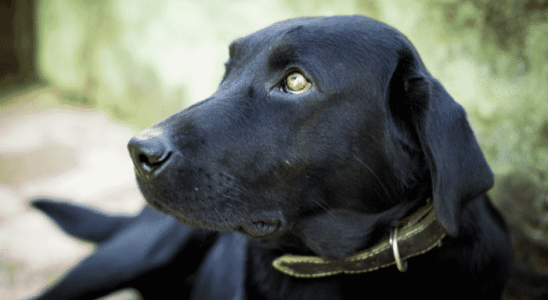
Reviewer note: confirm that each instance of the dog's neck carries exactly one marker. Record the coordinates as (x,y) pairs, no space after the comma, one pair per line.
(339,233)
(420,232)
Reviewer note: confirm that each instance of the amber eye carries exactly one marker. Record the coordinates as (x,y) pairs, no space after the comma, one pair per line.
(296,83)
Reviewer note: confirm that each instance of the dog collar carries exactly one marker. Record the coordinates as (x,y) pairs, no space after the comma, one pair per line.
(420,233)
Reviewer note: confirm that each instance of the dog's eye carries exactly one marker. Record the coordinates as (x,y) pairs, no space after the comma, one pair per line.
(296,83)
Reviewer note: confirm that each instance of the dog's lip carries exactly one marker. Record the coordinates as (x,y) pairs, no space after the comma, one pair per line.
(260,228)
(256,229)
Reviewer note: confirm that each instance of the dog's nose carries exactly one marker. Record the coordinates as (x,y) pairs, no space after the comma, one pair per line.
(149,152)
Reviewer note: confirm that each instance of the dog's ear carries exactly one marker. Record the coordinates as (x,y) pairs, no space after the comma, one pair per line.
(426,118)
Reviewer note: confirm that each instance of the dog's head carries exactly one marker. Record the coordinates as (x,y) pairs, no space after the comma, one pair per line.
(313,115)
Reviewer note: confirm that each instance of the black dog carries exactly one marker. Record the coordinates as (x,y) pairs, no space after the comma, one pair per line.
(330,160)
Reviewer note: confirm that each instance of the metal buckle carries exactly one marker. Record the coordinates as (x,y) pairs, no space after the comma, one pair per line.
(402,266)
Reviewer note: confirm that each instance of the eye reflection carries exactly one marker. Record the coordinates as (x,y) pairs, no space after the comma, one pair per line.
(296,83)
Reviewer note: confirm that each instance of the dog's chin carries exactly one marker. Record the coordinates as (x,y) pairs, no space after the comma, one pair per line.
(254,227)
(258,229)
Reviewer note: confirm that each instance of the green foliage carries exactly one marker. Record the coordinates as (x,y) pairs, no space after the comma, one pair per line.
(511,113)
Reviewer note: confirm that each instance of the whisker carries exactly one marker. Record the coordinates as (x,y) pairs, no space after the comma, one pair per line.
(335,218)
(234,178)
(230,197)
(322,205)
(235,188)
(223,219)
(229,204)
(380,182)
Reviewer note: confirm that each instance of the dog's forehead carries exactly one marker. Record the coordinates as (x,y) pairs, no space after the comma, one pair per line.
(334,24)
(338,37)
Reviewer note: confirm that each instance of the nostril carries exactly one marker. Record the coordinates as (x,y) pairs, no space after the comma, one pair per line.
(148,153)
(153,160)
(144,159)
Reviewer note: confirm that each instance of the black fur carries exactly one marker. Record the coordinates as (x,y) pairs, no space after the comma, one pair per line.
(150,252)
(326,172)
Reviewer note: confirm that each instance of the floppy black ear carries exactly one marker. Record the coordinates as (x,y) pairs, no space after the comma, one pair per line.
(426,116)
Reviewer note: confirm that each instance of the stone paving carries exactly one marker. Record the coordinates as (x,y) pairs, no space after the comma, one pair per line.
(54,150)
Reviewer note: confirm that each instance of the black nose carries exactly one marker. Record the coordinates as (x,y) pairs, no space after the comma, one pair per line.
(149,152)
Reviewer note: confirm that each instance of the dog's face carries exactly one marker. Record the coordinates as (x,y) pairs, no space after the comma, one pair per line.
(312,115)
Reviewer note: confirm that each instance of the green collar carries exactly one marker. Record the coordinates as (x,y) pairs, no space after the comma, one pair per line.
(419,234)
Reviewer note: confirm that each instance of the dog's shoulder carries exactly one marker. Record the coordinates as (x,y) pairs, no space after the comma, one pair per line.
(482,248)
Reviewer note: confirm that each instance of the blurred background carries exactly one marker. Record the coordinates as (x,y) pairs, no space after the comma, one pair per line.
(78,78)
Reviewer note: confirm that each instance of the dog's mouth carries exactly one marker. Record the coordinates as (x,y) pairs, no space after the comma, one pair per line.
(260,229)
(257,229)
